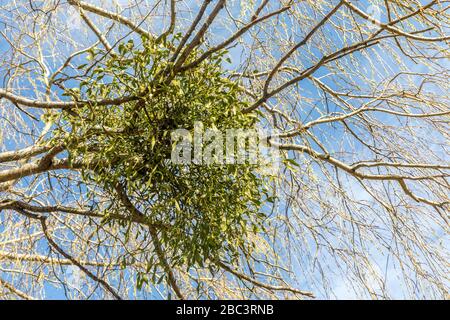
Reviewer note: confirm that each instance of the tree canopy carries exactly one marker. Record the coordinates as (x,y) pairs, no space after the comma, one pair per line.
(352,94)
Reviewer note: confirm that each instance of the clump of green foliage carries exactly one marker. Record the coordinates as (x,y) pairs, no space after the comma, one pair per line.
(208,212)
